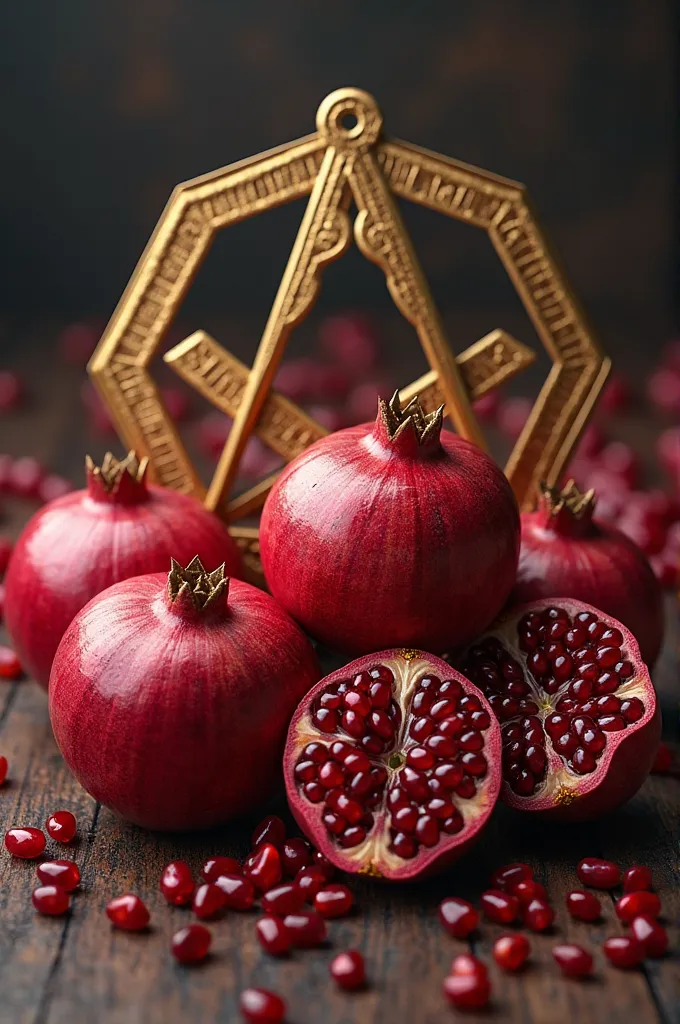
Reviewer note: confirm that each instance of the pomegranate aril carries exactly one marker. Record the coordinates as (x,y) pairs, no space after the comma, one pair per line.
(406,819)
(448,774)
(61,826)
(314,792)
(295,855)
(632,709)
(420,758)
(467,991)
(583,762)
(466,788)
(259,1006)
(306,929)
(623,951)
(51,900)
(3,769)
(511,951)
(26,843)
(191,944)
(128,912)
(538,915)
(209,901)
(265,869)
(650,934)
(333,901)
(427,830)
(508,875)
(63,873)
(636,878)
(10,666)
(584,906)
(283,899)
(216,866)
(272,935)
(527,890)
(177,884)
(474,764)
(348,970)
(356,761)
(325,720)
(611,723)
(353,836)
(331,775)
(499,906)
(635,903)
(574,961)
(404,846)
(458,917)
(381,724)
(598,873)
(238,892)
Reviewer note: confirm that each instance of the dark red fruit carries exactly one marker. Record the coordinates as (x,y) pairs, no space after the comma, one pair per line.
(63,873)
(348,970)
(128,913)
(334,901)
(458,917)
(239,892)
(258,1006)
(61,826)
(270,830)
(650,934)
(623,951)
(10,666)
(599,874)
(499,906)
(273,935)
(209,901)
(295,855)
(511,951)
(508,875)
(3,769)
(538,915)
(529,890)
(635,903)
(306,929)
(467,991)
(663,760)
(466,963)
(264,870)
(26,843)
(191,944)
(584,906)
(177,883)
(636,878)
(216,866)
(573,960)
(51,900)
(310,881)
(283,899)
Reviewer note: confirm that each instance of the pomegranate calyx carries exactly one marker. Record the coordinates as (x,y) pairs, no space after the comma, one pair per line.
(117,481)
(568,511)
(194,589)
(411,429)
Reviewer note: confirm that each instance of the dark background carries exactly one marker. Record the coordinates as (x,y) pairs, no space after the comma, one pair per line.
(107,105)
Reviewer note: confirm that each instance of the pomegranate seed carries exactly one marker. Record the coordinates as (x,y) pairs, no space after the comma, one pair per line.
(458,917)
(24,477)
(273,935)
(5,550)
(584,906)
(51,900)
(283,899)
(636,878)
(26,843)
(334,901)
(61,826)
(128,912)
(663,761)
(511,951)
(623,951)
(177,884)
(63,873)
(323,864)
(306,929)
(499,906)
(310,881)
(270,830)
(259,1006)
(10,666)
(295,855)
(265,870)
(466,963)
(573,960)
(209,900)
(238,891)
(466,991)
(216,866)
(3,769)
(599,874)
(538,915)
(635,903)
(529,890)
(509,874)
(650,934)
(190,945)
(348,970)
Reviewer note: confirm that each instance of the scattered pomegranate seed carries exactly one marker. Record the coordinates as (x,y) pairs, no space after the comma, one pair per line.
(5,552)
(505,877)
(323,864)
(663,760)
(499,906)
(51,900)
(528,890)
(61,826)
(3,769)
(486,407)
(623,951)
(27,843)
(310,881)
(334,901)
(25,476)
(177,403)
(458,917)
(128,912)
(512,416)
(273,935)
(10,666)
(11,391)
(283,899)
(270,830)
(599,874)
(77,343)
(467,991)
(209,901)
(584,906)
(238,891)
(616,395)
(635,903)
(466,963)
(637,877)
(650,934)
(511,951)
(538,915)
(295,855)
(177,884)
(350,339)
(663,391)
(306,929)
(573,960)
(216,866)
(52,487)
(191,944)
(258,1006)
(265,867)
(63,873)
(348,970)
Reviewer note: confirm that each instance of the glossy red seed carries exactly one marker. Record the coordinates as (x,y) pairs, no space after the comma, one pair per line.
(310,880)
(623,951)
(259,1006)
(209,901)
(295,855)
(177,884)
(511,951)
(128,912)
(538,915)
(265,871)
(61,826)
(348,970)
(270,830)
(584,906)
(499,906)
(283,899)
(636,878)
(652,936)
(216,866)
(239,892)
(599,874)
(306,929)
(509,874)
(10,666)
(529,890)
(273,935)
(466,963)
(3,769)
(573,960)
(458,917)
(26,843)
(63,873)
(467,992)
(190,945)
(334,901)
(323,864)
(635,903)
(51,900)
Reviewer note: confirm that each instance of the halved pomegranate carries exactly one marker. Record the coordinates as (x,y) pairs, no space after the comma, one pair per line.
(577,707)
(393,764)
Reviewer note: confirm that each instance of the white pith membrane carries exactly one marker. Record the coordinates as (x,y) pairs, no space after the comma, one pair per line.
(589,683)
(353,806)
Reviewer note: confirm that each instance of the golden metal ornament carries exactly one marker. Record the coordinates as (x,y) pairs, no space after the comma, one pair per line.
(344,161)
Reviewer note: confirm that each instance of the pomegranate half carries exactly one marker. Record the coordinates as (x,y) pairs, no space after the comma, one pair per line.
(392,765)
(371,537)
(170,696)
(80,544)
(577,708)
(565,551)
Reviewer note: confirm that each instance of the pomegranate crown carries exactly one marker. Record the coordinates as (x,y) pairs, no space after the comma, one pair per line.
(425,425)
(119,479)
(203,589)
(554,501)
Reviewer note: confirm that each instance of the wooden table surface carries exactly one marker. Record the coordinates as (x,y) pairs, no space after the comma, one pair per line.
(77,968)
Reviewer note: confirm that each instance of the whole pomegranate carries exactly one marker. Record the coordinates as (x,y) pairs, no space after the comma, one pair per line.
(170,696)
(578,711)
(76,546)
(392,765)
(392,534)
(566,552)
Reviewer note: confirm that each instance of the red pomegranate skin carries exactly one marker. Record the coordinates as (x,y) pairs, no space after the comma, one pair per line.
(172,718)
(594,563)
(82,543)
(371,541)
